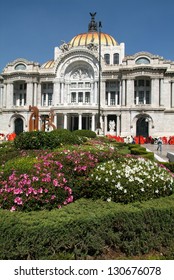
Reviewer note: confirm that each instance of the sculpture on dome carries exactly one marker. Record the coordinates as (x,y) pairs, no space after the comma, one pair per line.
(92,25)
(64,47)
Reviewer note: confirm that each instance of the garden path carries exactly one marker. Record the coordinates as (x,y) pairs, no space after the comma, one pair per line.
(160,156)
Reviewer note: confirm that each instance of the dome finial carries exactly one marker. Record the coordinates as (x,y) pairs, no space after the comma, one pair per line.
(92,25)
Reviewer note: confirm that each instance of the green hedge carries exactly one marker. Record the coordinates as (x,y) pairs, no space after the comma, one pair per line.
(85,133)
(73,233)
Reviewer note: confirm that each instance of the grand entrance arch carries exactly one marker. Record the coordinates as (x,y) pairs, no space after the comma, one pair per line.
(18,126)
(142,126)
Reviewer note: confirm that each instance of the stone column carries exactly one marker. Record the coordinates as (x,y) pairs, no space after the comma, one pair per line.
(123,93)
(109,98)
(80,122)
(39,95)
(172,94)
(35,94)
(4,96)
(30,94)
(93,122)
(118,125)
(62,93)
(105,124)
(56,94)
(155,92)
(130,92)
(9,100)
(65,120)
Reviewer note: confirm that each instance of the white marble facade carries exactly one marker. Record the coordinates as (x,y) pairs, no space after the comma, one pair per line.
(136,91)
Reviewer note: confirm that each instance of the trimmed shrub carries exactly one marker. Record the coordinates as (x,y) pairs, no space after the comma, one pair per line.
(130,180)
(85,133)
(71,233)
(45,140)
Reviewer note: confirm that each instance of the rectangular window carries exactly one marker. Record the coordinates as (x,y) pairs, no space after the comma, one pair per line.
(25,98)
(20,99)
(141,97)
(50,99)
(147,97)
(80,85)
(87,97)
(44,99)
(141,83)
(73,85)
(80,97)
(73,97)
(50,85)
(87,85)
(112,98)
(147,83)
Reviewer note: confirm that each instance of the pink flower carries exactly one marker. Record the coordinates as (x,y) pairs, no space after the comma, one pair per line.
(35,178)
(55,182)
(17,191)
(13,208)
(18,200)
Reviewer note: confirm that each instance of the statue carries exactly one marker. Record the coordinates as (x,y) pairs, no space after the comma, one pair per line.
(111,126)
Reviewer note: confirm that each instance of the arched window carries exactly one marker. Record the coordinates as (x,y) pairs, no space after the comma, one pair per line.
(20,66)
(142,60)
(107,58)
(116,58)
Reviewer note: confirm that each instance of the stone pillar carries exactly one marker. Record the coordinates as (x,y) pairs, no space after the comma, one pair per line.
(130,92)
(155,92)
(1,94)
(123,93)
(4,96)
(80,122)
(62,93)
(109,98)
(118,125)
(35,94)
(65,120)
(9,100)
(39,95)
(105,124)
(56,94)
(93,122)
(172,94)
(95,93)
(30,94)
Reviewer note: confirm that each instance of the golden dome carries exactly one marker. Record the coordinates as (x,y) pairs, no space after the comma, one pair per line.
(92,37)
(48,64)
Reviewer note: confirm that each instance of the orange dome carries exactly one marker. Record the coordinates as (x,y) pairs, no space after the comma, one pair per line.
(86,38)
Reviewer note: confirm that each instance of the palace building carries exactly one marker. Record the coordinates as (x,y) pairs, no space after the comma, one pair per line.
(89,84)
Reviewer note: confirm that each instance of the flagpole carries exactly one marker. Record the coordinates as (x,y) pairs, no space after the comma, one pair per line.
(99,81)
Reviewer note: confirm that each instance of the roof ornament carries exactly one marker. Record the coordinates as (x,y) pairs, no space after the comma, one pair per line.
(65,46)
(93,24)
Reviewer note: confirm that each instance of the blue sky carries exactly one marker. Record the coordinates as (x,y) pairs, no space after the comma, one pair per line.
(31,29)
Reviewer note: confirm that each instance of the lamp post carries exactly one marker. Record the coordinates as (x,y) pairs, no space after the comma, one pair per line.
(99,80)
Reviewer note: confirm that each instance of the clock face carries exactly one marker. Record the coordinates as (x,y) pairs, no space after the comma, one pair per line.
(20,67)
(142,60)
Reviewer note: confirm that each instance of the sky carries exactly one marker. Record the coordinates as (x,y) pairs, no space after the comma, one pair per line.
(30,29)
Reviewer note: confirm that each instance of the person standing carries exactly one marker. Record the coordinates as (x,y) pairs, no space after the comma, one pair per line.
(159,143)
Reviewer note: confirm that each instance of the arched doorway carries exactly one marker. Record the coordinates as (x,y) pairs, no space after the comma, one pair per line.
(18,125)
(142,127)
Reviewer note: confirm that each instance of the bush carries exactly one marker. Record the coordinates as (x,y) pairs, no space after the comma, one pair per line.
(44,188)
(19,164)
(131,180)
(85,133)
(79,232)
(45,140)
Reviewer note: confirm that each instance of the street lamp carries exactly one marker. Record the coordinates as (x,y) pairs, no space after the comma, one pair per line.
(99,79)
